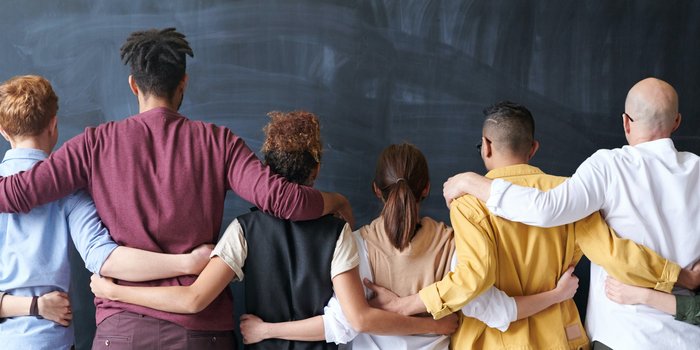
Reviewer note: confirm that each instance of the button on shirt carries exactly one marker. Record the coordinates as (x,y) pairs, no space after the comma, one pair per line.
(647,193)
(34,259)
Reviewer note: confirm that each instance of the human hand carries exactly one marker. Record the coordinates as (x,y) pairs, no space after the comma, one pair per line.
(447,325)
(690,278)
(198,259)
(624,293)
(102,287)
(466,183)
(383,298)
(55,306)
(567,285)
(336,204)
(253,329)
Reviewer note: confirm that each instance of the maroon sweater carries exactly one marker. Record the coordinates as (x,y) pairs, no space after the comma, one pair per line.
(159,182)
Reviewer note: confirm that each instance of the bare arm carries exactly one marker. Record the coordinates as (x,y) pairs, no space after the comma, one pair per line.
(255,330)
(626,294)
(137,265)
(366,319)
(54,306)
(532,304)
(191,299)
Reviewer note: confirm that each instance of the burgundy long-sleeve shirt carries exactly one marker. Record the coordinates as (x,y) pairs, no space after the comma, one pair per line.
(158,181)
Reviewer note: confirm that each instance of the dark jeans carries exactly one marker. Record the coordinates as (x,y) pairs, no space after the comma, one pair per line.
(600,346)
(127,331)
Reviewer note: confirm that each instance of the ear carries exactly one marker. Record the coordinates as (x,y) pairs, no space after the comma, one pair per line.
(133,86)
(377,191)
(626,124)
(676,123)
(5,135)
(183,82)
(486,149)
(425,193)
(533,150)
(314,173)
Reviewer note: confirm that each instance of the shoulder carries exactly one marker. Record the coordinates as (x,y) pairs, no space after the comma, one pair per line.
(469,207)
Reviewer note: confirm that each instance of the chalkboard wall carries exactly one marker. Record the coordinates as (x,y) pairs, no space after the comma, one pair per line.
(376,72)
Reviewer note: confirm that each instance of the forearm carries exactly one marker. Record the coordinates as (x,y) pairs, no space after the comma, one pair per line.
(624,259)
(138,265)
(661,301)
(310,329)
(531,304)
(159,298)
(14,306)
(382,322)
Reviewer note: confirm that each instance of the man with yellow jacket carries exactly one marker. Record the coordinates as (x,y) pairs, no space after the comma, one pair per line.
(524,260)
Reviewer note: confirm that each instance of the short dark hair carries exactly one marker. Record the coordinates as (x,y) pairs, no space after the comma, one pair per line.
(157,59)
(511,125)
(292,146)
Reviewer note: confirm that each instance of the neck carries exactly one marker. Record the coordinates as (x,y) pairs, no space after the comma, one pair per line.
(40,143)
(633,141)
(503,162)
(148,102)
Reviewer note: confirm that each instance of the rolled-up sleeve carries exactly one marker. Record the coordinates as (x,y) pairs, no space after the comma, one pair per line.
(232,248)
(476,265)
(336,327)
(624,259)
(688,309)
(91,238)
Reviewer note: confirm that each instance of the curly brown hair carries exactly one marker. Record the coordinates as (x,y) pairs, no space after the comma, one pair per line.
(292,145)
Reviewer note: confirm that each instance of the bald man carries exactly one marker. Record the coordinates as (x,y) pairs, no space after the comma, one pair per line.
(647,192)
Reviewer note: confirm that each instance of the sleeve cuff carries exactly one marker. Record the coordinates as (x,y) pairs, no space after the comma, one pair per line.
(103,252)
(433,303)
(687,309)
(498,188)
(669,276)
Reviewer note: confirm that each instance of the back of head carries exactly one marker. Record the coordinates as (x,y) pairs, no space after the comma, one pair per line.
(292,145)
(653,105)
(157,59)
(27,104)
(401,176)
(510,128)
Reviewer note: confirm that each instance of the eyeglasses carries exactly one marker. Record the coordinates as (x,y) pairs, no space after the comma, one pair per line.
(625,115)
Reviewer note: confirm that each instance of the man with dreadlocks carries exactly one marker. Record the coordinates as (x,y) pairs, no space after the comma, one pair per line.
(158,181)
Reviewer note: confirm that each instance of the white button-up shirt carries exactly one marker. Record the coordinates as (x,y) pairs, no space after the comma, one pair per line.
(649,193)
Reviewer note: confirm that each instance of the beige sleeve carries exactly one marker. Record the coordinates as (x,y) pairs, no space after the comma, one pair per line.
(345,256)
(233,249)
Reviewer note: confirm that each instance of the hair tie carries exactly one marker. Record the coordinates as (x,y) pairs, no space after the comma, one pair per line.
(400,179)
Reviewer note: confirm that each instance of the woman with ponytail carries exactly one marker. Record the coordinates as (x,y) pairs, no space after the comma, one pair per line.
(404,252)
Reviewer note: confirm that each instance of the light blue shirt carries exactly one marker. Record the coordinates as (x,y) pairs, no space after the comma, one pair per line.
(34,255)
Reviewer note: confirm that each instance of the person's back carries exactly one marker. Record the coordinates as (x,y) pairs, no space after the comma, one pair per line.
(529,261)
(288,271)
(34,245)
(668,179)
(290,265)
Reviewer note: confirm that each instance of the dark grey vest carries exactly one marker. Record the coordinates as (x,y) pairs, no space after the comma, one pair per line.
(287,271)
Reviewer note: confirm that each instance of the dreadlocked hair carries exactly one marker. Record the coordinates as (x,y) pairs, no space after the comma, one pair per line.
(292,145)
(157,59)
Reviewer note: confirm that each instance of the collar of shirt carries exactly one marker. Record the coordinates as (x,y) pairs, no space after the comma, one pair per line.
(657,146)
(25,153)
(513,170)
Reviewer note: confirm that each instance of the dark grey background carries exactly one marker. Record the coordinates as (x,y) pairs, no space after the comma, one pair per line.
(376,72)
